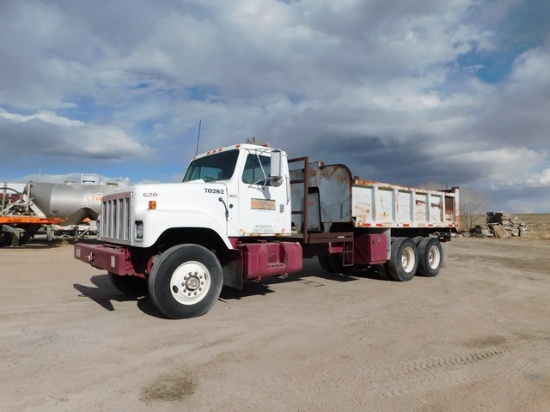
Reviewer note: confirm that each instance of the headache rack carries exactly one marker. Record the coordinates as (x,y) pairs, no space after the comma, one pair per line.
(299,171)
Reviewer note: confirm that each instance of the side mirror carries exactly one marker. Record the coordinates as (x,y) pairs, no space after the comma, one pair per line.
(276,168)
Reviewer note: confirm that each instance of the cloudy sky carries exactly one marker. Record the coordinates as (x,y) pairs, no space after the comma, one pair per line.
(409,92)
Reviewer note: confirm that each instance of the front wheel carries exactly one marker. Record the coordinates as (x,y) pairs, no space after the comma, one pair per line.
(185,282)
(403,263)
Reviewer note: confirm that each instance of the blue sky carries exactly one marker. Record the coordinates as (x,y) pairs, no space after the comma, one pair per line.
(455,91)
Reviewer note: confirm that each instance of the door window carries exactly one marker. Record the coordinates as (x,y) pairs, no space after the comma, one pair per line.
(256,170)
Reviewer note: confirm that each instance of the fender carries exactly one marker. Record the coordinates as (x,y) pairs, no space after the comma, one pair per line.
(181,218)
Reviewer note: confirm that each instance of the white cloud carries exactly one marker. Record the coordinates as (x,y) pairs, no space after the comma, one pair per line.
(47,117)
(541,179)
(48,133)
(509,167)
(393,88)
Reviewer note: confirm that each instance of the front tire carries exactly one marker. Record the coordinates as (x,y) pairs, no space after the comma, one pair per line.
(403,263)
(185,282)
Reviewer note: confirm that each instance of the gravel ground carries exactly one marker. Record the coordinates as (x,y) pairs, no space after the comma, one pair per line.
(475,338)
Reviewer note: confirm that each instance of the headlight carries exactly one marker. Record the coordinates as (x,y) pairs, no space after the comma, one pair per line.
(139,230)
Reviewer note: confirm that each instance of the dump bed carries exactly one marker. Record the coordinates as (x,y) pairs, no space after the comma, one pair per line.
(376,204)
(324,195)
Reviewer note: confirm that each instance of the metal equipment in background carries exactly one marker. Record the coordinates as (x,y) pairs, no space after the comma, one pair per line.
(67,209)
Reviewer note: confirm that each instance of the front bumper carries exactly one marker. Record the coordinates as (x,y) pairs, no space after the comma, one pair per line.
(113,259)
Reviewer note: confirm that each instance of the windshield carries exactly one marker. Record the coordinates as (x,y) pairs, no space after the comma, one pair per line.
(219,166)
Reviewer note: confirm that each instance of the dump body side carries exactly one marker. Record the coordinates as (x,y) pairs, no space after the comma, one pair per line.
(376,204)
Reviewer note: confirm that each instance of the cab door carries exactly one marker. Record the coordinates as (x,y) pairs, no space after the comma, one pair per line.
(264,209)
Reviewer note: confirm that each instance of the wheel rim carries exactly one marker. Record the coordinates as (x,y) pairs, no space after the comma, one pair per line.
(408,259)
(190,283)
(434,257)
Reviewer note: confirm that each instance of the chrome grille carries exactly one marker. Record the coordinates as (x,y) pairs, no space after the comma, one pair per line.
(116,217)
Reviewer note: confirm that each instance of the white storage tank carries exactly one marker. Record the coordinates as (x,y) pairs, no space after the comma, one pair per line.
(72,201)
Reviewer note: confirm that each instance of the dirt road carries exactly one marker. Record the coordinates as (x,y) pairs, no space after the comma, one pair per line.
(477,337)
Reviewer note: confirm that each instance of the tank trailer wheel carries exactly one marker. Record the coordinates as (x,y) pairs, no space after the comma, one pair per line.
(6,237)
(185,282)
(403,263)
(130,285)
(430,257)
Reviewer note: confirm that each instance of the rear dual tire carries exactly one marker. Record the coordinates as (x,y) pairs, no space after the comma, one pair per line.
(421,255)
(430,256)
(403,262)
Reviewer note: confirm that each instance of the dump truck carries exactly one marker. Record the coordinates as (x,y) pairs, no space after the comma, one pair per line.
(246,212)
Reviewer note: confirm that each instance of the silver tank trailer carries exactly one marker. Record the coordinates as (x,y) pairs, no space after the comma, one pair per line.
(72,201)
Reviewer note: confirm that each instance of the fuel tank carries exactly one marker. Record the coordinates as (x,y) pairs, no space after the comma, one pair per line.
(72,201)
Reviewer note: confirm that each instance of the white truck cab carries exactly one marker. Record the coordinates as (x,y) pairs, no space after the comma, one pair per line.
(239,180)
(230,190)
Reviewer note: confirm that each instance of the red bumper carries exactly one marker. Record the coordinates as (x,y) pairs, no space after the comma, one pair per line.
(113,259)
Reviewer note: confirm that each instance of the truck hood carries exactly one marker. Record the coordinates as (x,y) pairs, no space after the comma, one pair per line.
(161,207)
